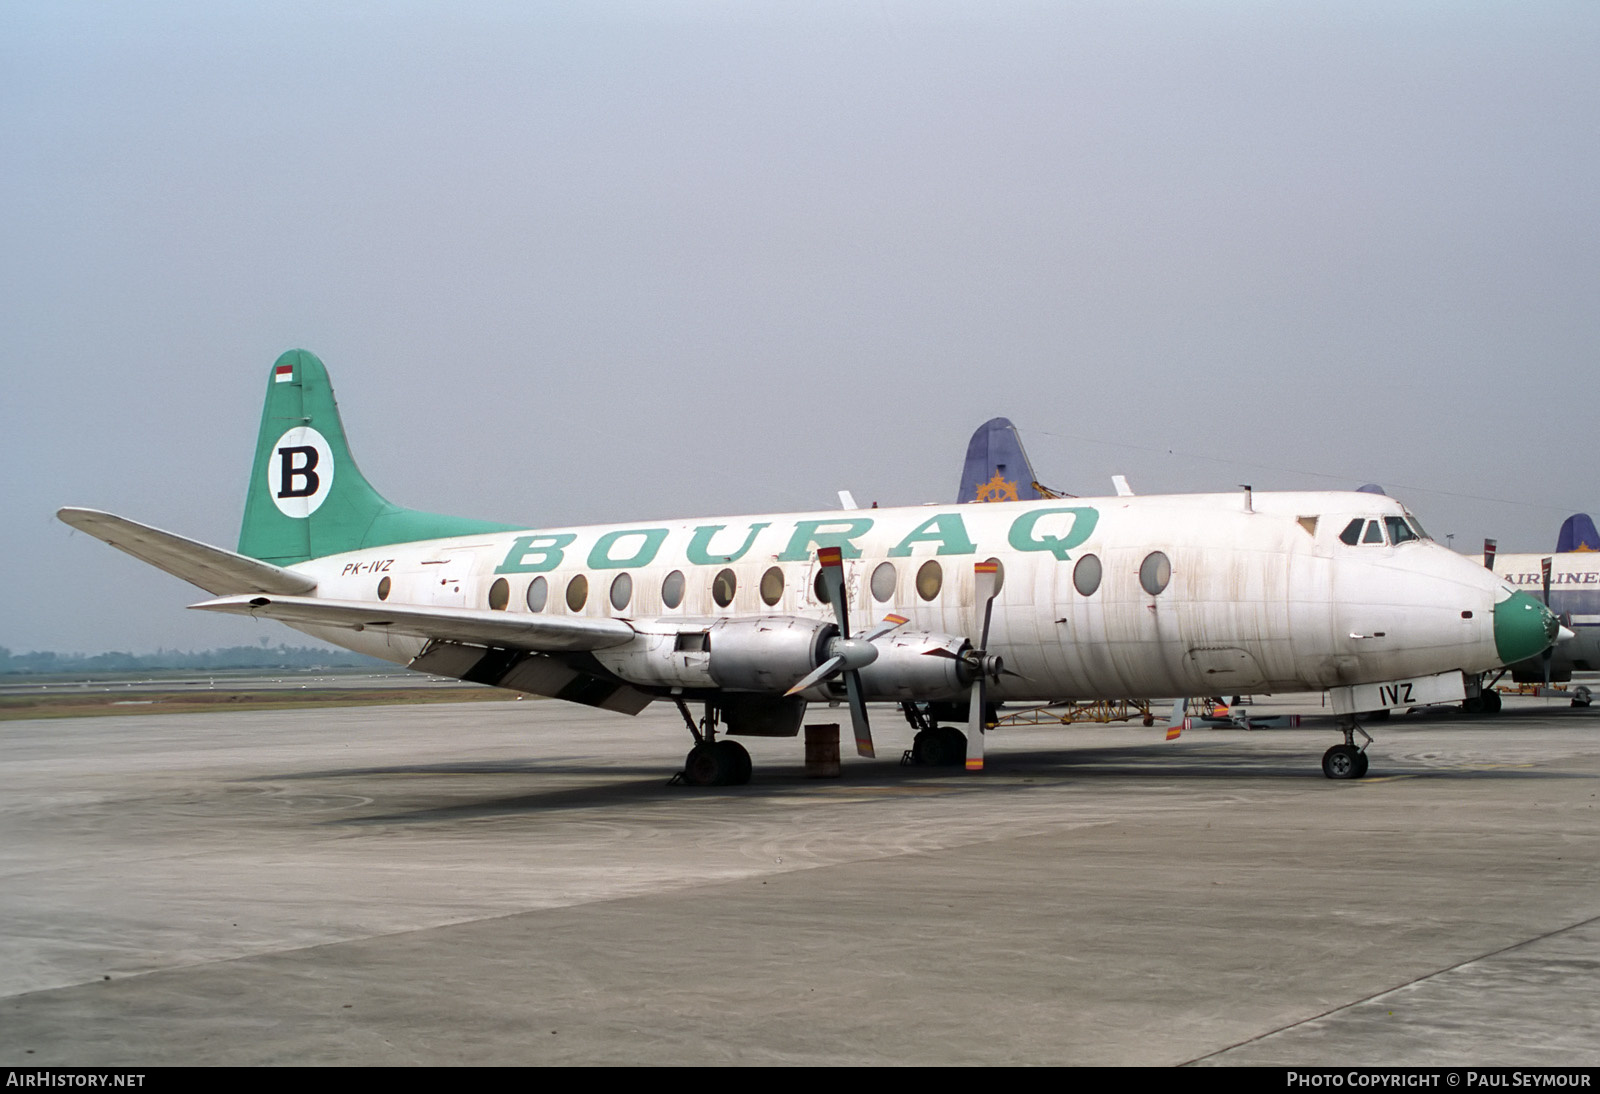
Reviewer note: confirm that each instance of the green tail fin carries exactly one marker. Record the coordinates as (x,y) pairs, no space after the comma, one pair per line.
(307,497)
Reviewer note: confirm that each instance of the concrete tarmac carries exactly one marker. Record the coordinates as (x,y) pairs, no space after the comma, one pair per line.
(516,883)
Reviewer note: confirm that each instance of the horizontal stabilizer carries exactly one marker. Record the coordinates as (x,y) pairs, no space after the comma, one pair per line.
(544,634)
(211,568)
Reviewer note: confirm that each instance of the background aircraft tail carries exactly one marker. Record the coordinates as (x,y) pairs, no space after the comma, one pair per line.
(997,469)
(307,497)
(1577,534)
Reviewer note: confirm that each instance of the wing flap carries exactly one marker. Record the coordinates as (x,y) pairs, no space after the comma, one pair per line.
(213,569)
(544,634)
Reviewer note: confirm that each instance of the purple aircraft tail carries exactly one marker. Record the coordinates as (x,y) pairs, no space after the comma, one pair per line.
(1577,534)
(997,469)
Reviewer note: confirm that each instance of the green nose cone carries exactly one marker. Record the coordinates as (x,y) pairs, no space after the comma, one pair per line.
(1523,628)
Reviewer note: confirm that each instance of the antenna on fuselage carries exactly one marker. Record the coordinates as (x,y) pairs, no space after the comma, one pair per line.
(1248,506)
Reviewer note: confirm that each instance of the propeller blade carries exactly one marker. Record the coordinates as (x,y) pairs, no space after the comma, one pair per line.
(975,727)
(816,676)
(858,715)
(831,559)
(890,622)
(1550,651)
(1177,722)
(986,583)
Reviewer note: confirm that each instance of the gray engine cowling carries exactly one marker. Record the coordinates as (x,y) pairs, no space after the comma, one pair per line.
(767,654)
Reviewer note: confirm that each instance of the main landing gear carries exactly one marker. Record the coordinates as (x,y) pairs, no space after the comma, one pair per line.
(1346,761)
(934,745)
(712,762)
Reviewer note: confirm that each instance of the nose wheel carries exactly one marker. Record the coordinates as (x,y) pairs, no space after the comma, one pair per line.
(1346,761)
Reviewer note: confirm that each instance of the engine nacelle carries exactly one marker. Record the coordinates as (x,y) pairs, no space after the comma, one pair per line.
(919,665)
(768,654)
(765,655)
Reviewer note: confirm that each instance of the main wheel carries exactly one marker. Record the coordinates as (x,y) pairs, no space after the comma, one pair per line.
(734,762)
(955,744)
(931,748)
(706,765)
(1361,764)
(1491,701)
(941,746)
(1342,762)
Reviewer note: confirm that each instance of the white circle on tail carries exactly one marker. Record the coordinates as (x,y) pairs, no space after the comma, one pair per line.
(300,471)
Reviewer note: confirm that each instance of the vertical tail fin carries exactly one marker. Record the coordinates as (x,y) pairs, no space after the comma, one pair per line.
(307,497)
(997,469)
(1577,534)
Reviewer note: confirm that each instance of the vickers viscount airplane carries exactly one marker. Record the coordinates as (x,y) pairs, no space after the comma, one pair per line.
(946,611)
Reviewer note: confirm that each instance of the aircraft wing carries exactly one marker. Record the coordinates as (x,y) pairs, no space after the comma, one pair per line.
(479,626)
(211,568)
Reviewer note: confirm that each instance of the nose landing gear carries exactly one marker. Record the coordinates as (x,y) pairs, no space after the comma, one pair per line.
(1346,761)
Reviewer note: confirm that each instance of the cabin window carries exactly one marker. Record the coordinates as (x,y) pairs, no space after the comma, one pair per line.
(499,594)
(621,591)
(672,589)
(1399,530)
(1086,575)
(577,593)
(538,594)
(930,579)
(772,586)
(1374,533)
(884,580)
(1351,533)
(723,586)
(1154,572)
(383,589)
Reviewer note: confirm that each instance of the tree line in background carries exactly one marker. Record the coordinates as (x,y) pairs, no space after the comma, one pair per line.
(229,657)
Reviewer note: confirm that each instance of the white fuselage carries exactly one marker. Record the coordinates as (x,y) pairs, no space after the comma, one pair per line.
(1264,598)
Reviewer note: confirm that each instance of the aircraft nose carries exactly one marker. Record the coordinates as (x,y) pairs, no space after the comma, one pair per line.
(1523,628)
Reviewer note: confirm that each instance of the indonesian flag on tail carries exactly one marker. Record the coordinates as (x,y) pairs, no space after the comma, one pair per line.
(283,374)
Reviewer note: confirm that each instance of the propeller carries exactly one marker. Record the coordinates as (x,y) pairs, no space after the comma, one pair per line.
(1549,651)
(986,583)
(1177,723)
(847,655)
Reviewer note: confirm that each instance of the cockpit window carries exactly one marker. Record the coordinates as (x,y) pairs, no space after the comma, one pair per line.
(1399,530)
(1416,526)
(1374,532)
(1351,533)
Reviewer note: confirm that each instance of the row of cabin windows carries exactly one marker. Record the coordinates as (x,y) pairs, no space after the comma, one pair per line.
(1155,572)
(930,579)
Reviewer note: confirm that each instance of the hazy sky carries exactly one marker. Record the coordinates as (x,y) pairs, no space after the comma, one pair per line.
(584,262)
